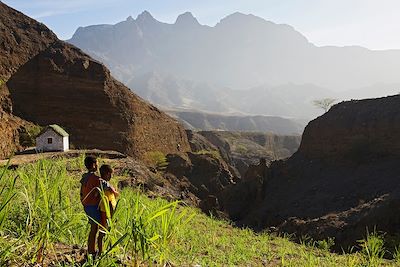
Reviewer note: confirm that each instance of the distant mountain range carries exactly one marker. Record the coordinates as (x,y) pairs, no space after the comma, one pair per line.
(194,120)
(287,100)
(189,65)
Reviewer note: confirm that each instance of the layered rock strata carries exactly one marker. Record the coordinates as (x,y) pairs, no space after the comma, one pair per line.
(343,180)
(49,81)
(63,85)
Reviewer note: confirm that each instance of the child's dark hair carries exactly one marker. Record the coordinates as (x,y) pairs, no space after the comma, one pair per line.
(105,169)
(89,161)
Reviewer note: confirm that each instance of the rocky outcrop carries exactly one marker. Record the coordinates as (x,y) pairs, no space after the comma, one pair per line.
(378,214)
(354,129)
(207,174)
(238,199)
(21,38)
(198,142)
(63,85)
(9,135)
(242,149)
(343,179)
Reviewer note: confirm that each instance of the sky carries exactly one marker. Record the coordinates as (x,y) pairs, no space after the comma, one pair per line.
(374,24)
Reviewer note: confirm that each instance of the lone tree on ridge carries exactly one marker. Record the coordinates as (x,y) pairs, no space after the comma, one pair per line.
(324,103)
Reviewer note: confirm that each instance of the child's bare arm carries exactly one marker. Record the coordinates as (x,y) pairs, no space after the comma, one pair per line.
(116,193)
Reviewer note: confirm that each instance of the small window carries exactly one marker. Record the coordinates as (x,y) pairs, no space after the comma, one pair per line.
(50,140)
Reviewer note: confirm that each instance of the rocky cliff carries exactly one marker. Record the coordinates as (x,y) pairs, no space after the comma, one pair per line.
(343,179)
(241,149)
(367,128)
(50,81)
(63,85)
(20,39)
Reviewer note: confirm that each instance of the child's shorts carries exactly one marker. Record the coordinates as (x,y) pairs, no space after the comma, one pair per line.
(93,214)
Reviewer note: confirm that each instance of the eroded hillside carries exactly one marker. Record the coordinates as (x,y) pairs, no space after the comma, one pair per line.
(241,149)
(342,181)
(21,38)
(53,82)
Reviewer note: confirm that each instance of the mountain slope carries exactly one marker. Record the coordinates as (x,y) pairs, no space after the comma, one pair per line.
(195,120)
(342,180)
(289,100)
(20,39)
(58,83)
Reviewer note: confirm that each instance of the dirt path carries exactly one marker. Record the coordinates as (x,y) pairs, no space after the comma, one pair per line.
(30,156)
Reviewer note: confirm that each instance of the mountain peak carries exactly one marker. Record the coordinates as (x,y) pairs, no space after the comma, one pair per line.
(186,18)
(129,18)
(240,18)
(145,16)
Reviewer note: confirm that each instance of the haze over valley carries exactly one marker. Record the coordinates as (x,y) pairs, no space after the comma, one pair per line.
(243,65)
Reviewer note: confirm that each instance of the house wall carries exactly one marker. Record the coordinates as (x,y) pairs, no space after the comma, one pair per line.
(42,145)
(66,143)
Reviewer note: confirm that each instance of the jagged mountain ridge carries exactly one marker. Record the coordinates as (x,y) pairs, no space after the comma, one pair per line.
(187,64)
(241,51)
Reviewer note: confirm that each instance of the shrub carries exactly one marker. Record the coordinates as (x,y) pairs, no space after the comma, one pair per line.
(241,149)
(325,244)
(373,249)
(27,135)
(212,153)
(157,160)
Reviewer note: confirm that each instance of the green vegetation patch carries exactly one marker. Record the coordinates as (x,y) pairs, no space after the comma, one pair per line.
(213,153)
(157,160)
(28,134)
(42,220)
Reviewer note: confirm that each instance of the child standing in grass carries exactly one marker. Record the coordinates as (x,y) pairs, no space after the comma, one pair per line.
(108,202)
(90,198)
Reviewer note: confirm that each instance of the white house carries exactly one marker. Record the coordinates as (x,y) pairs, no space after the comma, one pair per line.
(52,138)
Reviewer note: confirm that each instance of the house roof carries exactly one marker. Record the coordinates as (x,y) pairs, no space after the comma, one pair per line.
(57,129)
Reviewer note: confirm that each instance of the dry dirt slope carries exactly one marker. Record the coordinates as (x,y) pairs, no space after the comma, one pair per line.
(343,179)
(49,81)
(20,39)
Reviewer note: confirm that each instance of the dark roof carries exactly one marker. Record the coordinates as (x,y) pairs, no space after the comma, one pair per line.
(57,129)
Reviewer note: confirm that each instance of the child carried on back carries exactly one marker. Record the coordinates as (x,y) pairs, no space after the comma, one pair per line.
(92,187)
(108,202)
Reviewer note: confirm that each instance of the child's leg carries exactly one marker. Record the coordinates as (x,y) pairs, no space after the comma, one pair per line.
(103,227)
(94,219)
(100,242)
(92,238)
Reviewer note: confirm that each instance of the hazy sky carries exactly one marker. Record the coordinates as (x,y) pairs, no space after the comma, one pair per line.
(374,24)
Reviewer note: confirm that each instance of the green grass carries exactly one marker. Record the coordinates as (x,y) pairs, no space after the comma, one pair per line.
(213,153)
(40,210)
